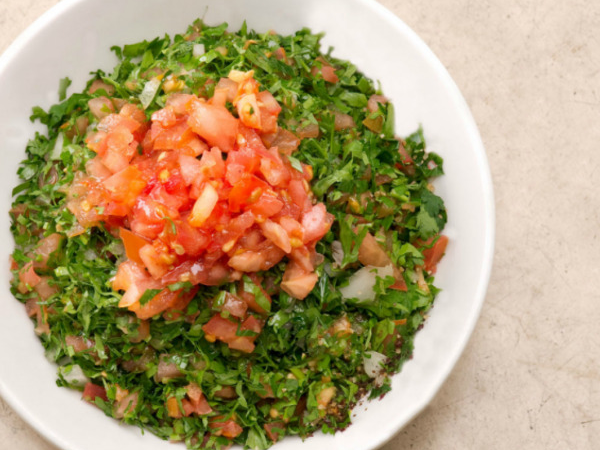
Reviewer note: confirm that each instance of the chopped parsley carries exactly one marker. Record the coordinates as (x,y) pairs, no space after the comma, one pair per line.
(304,375)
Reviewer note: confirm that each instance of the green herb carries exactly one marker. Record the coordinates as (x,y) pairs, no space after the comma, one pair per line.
(62,88)
(148,295)
(365,180)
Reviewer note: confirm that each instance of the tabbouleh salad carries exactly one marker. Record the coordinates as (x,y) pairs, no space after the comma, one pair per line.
(223,241)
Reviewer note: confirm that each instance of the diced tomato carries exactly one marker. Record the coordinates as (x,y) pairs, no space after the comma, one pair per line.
(79,343)
(267,101)
(434,254)
(143,331)
(243,161)
(269,111)
(92,391)
(297,282)
(44,289)
(134,112)
(148,218)
(125,403)
(125,186)
(276,234)
(132,278)
(252,324)
(274,430)
(120,148)
(285,141)
(157,261)
(326,71)
(229,86)
(173,408)
(255,261)
(249,297)
(191,169)
(179,102)
(172,203)
(212,164)
(247,191)
(166,117)
(248,111)
(370,253)
(293,228)
(316,223)
(133,243)
(243,344)
(44,250)
(163,301)
(200,220)
(220,328)
(267,205)
(187,239)
(234,306)
(100,107)
(273,169)
(228,429)
(28,278)
(197,400)
(96,169)
(97,142)
(234,230)
(128,274)
(298,194)
(215,124)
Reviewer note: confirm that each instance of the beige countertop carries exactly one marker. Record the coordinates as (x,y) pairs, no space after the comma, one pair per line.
(530,375)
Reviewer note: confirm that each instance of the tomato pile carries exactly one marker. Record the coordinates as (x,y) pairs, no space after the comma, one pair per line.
(201,197)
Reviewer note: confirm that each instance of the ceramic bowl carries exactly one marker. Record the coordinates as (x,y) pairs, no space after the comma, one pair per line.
(74,38)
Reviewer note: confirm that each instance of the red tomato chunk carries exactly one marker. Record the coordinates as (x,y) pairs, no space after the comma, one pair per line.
(199,195)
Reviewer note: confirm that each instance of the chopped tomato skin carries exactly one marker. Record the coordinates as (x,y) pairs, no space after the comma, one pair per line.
(228,429)
(434,254)
(215,124)
(197,197)
(133,243)
(92,391)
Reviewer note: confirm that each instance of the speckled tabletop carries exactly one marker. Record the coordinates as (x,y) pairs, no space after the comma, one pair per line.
(530,375)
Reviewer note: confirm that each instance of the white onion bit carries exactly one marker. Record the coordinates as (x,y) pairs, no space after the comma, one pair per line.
(198,50)
(149,91)
(372,363)
(73,375)
(58,147)
(362,282)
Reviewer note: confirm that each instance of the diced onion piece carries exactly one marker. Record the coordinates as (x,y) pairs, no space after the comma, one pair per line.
(372,363)
(58,147)
(363,281)
(73,375)
(149,91)
(204,206)
(198,50)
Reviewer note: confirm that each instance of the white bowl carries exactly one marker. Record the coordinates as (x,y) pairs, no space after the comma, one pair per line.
(74,38)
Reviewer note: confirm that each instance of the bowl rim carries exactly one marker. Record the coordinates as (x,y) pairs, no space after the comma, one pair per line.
(38,25)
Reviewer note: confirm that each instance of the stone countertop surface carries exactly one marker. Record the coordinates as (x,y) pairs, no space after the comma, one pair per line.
(530,375)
